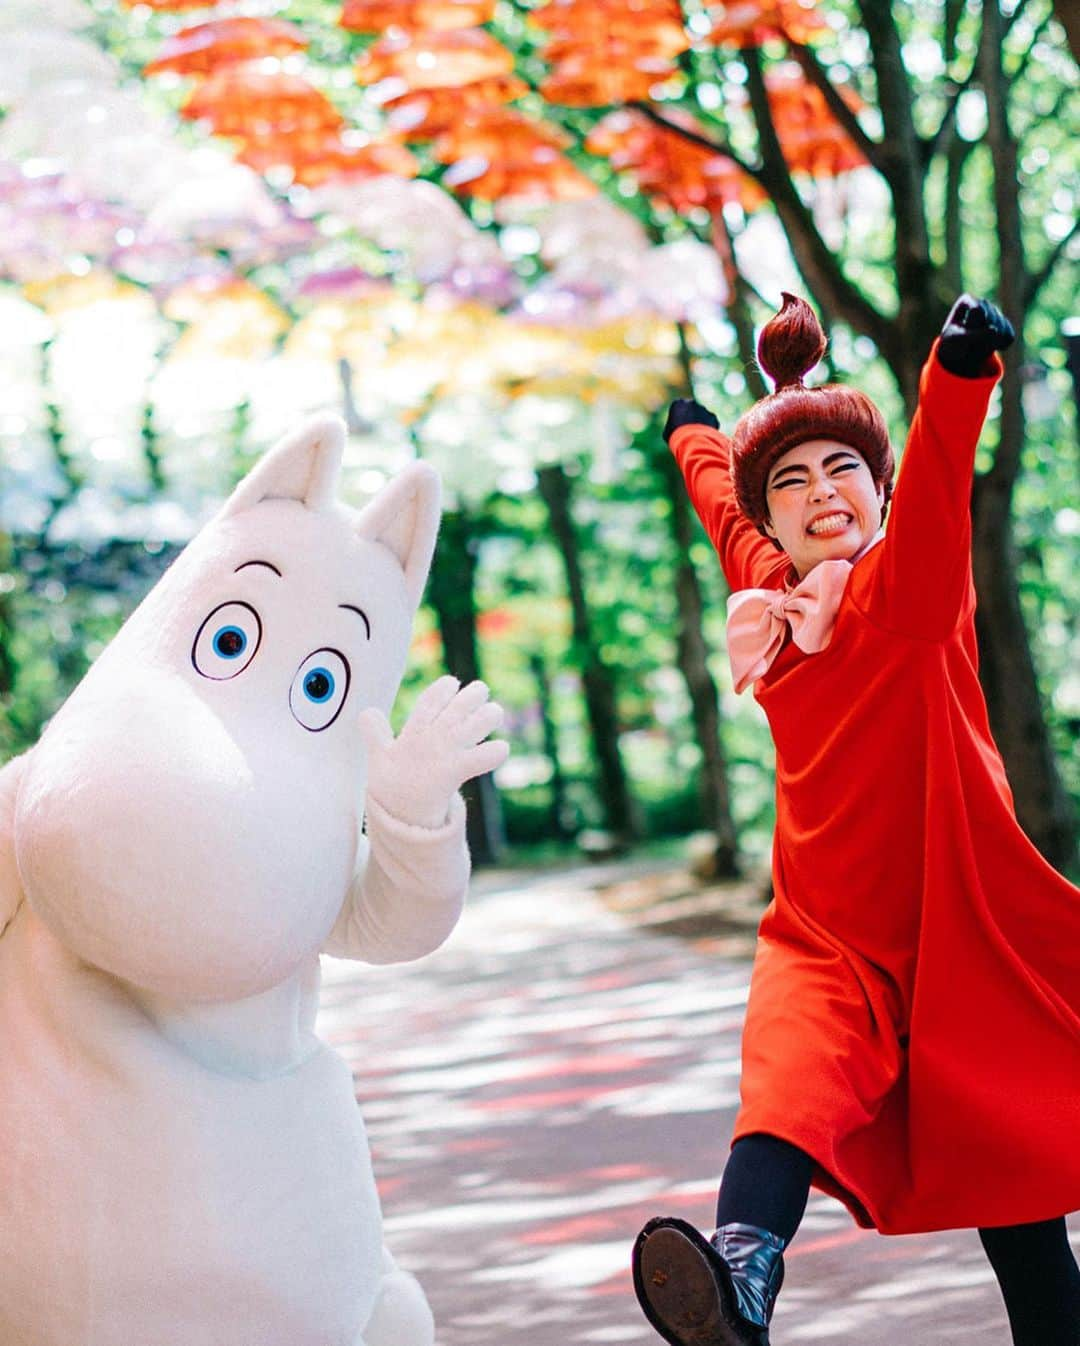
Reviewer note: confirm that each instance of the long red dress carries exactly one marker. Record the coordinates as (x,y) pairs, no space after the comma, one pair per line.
(914,1014)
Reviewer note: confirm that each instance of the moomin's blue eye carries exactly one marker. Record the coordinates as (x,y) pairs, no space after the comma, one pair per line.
(319,685)
(319,689)
(230,642)
(227,641)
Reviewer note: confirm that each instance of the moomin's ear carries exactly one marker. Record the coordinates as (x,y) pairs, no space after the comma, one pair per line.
(304,466)
(404,516)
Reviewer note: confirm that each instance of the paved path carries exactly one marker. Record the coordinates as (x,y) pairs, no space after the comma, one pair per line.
(539,1087)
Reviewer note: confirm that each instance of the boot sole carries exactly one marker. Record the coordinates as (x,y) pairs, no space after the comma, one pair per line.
(682,1293)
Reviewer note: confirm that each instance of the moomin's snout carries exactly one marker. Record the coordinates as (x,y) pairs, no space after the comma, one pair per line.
(163,849)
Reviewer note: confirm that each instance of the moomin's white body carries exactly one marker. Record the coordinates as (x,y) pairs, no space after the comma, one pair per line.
(184,1163)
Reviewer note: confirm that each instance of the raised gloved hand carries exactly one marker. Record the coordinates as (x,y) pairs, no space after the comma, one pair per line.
(973,330)
(685,411)
(441,745)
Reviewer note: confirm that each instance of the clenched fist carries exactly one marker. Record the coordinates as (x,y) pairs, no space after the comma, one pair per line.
(442,744)
(974,329)
(685,411)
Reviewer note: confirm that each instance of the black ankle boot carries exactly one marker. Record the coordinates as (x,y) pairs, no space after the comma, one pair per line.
(718,1292)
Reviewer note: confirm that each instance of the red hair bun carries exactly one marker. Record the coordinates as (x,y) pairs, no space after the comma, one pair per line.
(790,346)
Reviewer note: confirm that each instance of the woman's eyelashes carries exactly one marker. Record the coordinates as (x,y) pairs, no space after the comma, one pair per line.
(804,480)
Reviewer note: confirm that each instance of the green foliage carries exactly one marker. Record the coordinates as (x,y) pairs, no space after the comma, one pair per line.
(59,606)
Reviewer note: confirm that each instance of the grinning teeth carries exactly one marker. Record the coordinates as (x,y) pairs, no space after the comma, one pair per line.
(832,523)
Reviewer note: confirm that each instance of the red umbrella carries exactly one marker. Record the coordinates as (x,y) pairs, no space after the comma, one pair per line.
(245,101)
(499,152)
(415,16)
(439,60)
(207,46)
(167,6)
(319,156)
(749,23)
(812,139)
(423,114)
(609,51)
(669,167)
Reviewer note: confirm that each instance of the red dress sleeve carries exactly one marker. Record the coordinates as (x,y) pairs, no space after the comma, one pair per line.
(748,559)
(924,585)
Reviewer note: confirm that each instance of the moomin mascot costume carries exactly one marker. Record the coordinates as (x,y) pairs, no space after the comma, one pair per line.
(183,1161)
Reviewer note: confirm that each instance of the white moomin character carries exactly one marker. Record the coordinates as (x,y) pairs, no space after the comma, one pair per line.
(182,1162)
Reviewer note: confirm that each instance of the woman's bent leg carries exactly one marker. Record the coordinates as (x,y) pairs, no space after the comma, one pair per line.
(766,1183)
(1039,1280)
(721,1291)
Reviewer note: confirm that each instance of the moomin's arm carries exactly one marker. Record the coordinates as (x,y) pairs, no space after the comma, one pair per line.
(414,863)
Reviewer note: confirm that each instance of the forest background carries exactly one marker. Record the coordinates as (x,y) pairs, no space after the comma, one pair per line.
(503,236)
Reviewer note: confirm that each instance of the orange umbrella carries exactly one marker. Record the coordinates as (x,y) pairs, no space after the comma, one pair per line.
(667,166)
(439,60)
(609,51)
(622,43)
(320,156)
(567,15)
(749,23)
(167,6)
(243,101)
(500,152)
(812,139)
(415,16)
(658,24)
(548,177)
(423,114)
(584,83)
(206,46)
(501,133)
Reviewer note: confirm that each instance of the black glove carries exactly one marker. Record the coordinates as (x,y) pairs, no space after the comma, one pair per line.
(685,411)
(973,330)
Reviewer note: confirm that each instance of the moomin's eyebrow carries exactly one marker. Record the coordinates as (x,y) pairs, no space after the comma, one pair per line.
(269,565)
(350,607)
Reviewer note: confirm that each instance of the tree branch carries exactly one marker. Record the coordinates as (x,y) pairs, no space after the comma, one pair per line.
(696,138)
(903,169)
(1012,277)
(938,142)
(815,259)
(816,73)
(946,127)
(901,162)
(1038,279)
(953,268)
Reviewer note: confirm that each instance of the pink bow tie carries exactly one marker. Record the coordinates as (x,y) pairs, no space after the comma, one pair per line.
(758,620)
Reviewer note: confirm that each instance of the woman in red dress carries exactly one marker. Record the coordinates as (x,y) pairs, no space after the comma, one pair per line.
(912,1040)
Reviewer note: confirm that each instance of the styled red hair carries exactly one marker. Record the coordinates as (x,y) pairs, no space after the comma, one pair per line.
(790,346)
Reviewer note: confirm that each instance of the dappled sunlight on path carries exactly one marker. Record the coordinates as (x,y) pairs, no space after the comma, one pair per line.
(551,1078)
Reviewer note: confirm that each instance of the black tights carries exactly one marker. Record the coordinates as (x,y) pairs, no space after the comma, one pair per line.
(767,1181)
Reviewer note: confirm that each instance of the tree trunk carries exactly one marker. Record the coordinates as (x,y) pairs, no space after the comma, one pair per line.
(559,810)
(691,651)
(692,658)
(597,679)
(451,592)
(1068,16)
(1007,674)
(1007,669)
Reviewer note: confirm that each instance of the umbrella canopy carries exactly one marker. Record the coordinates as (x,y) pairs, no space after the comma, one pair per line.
(209,46)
